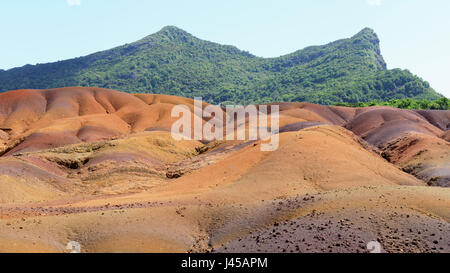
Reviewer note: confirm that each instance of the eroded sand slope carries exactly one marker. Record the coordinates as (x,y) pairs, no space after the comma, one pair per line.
(100,167)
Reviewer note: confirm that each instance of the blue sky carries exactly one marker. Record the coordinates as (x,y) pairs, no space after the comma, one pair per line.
(415,34)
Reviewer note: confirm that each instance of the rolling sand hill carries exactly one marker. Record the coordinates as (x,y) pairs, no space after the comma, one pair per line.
(100,167)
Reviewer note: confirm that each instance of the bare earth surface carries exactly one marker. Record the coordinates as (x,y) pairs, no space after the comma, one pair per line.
(100,167)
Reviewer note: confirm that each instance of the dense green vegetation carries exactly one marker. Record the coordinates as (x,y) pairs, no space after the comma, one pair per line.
(174,62)
(440,104)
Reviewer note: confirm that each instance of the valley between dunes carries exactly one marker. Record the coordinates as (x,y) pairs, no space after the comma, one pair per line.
(101,168)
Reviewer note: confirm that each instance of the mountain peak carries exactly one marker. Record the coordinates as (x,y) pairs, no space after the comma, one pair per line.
(366,30)
(173,31)
(367,34)
(368,39)
(171,28)
(167,33)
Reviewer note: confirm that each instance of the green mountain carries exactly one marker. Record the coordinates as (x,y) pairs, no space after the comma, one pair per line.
(174,62)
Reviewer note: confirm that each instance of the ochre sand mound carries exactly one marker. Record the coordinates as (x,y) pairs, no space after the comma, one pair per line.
(99,167)
(39,119)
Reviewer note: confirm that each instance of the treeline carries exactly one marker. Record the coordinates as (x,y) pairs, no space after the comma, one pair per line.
(440,104)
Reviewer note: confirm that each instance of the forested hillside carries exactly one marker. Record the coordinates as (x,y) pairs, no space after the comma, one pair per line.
(174,62)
